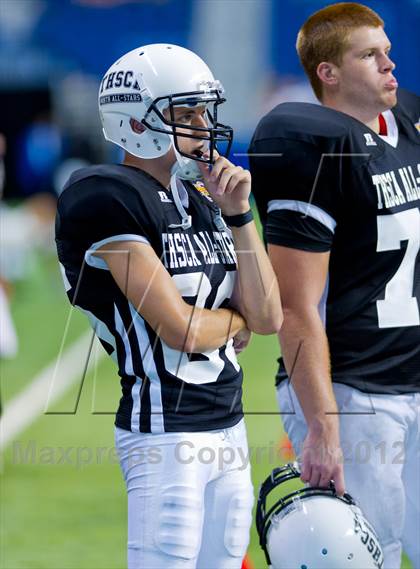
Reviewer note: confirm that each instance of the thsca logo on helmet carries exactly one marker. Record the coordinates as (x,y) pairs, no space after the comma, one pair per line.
(314,528)
(147,85)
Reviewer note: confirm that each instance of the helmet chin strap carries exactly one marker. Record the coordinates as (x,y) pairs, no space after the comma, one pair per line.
(187,169)
(186,220)
(183,169)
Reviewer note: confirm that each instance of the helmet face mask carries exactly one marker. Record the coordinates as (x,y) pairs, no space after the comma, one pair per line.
(213,135)
(314,528)
(148,84)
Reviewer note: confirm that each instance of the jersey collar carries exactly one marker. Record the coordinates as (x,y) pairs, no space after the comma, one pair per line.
(388,128)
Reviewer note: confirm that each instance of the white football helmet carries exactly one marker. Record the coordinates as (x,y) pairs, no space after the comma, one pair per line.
(145,82)
(314,528)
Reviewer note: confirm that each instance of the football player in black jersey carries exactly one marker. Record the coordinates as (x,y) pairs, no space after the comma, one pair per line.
(338,190)
(162,255)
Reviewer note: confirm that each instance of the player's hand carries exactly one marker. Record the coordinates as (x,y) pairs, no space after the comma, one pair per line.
(322,459)
(241,340)
(229,185)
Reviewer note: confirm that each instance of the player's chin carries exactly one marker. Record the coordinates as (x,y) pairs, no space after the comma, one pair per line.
(389,98)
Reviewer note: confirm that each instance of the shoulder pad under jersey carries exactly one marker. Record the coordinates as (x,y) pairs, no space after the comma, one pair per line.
(124,175)
(304,121)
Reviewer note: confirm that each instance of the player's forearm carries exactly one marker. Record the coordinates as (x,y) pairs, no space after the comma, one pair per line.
(258,287)
(184,327)
(210,329)
(306,354)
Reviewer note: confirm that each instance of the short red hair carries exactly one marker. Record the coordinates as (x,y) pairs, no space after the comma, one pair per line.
(324,36)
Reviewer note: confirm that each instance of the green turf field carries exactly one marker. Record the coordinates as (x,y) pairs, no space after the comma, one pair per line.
(62,495)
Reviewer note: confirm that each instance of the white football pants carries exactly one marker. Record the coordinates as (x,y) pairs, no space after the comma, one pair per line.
(380,439)
(190,498)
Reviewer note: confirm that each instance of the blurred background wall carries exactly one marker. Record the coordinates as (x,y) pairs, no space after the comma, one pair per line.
(53,53)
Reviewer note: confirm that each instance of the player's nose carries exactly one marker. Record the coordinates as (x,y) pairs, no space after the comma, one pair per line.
(387,64)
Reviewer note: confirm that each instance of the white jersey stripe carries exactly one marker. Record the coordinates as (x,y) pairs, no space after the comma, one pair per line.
(119,326)
(149,366)
(304,208)
(66,282)
(97,262)
(128,368)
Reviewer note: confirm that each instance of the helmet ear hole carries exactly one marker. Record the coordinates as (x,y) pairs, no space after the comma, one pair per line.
(137,126)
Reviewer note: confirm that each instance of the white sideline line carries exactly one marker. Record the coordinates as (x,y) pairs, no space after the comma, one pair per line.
(46,388)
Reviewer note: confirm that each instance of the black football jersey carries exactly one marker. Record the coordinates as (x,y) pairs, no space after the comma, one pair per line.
(323,181)
(162,389)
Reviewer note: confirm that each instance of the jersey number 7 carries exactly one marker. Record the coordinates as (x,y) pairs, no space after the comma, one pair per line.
(400,307)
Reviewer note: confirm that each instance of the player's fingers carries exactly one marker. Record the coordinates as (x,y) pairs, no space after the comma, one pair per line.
(220,164)
(239,177)
(340,485)
(315,476)
(205,168)
(234,179)
(224,180)
(325,477)
(305,470)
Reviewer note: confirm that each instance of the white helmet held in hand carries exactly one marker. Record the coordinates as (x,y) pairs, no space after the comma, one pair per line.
(314,528)
(145,82)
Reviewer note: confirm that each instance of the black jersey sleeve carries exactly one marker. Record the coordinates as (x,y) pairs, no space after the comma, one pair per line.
(96,210)
(298,231)
(298,189)
(296,167)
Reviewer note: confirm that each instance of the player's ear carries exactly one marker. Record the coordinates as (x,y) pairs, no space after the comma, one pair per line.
(327,73)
